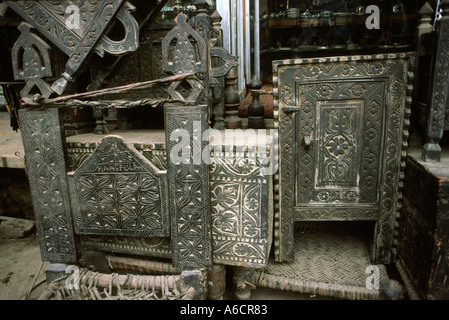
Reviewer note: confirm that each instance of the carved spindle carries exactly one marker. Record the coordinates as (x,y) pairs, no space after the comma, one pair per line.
(232,101)
(440,88)
(100,122)
(202,26)
(256,107)
(424,29)
(425,25)
(217,90)
(424,32)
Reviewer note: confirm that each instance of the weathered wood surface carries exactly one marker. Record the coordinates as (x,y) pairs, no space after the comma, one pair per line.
(343,130)
(423,243)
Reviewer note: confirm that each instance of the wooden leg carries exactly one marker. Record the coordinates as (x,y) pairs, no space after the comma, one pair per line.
(244,279)
(217,282)
(196,279)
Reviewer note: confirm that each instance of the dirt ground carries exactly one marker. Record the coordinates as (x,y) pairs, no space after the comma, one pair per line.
(21,268)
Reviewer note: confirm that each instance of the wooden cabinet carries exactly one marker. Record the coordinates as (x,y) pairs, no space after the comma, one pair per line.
(343,129)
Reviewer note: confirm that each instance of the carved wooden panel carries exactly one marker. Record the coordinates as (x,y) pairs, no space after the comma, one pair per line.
(341,123)
(143,65)
(147,246)
(31,61)
(188,187)
(328,171)
(241,210)
(423,245)
(118,191)
(185,50)
(44,158)
(78,38)
(78,153)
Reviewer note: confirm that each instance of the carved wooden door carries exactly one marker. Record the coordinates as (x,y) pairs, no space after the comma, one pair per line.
(341,130)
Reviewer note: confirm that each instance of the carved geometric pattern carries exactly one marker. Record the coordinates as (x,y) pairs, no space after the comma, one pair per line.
(119,192)
(440,82)
(32,52)
(241,212)
(130,42)
(195,90)
(355,119)
(244,176)
(338,157)
(78,152)
(42,139)
(151,54)
(188,190)
(50,19)
(437,109)
(147,246)
(184,51)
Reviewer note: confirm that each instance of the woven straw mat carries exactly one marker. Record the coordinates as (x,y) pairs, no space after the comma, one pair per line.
(326,256)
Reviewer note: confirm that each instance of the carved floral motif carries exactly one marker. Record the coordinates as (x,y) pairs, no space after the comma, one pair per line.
(354,136)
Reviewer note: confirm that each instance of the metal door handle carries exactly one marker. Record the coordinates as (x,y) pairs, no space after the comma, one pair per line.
(307,141)
(290,109)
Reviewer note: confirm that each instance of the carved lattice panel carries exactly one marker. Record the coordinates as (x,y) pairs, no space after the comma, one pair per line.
(117,191)
(44,158)
(341,127)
